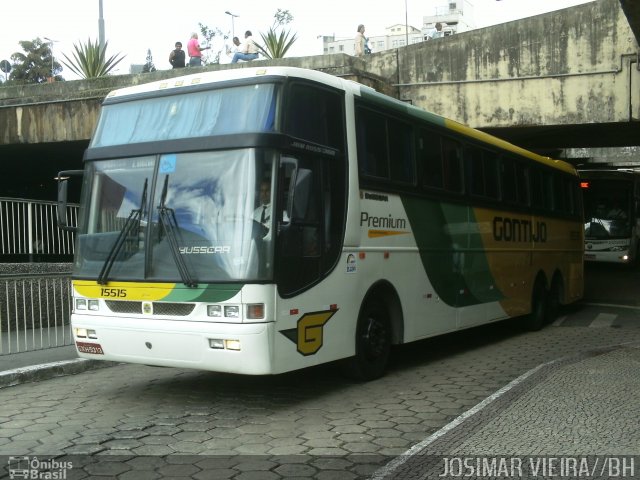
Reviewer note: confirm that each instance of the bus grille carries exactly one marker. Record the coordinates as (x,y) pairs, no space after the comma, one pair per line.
(159,308)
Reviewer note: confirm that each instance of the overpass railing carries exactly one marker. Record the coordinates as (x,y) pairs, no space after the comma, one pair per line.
(28,231)
(34,311)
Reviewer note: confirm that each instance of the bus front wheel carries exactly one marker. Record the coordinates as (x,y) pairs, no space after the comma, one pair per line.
(373,343)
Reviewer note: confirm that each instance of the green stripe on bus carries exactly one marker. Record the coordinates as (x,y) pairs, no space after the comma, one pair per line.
(454,259)
(207,293)
(405,108)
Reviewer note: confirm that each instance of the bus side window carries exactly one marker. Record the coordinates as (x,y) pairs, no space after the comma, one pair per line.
(452,155)
(536,188)
(430,158)
(372,144)
(509,182)
(522,183)
(401,151)
(308,112)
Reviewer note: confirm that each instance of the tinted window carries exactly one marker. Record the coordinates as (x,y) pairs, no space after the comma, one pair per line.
(385,147)
(430,157)
(452,155)
(372,144)
(400,151)
(315,114)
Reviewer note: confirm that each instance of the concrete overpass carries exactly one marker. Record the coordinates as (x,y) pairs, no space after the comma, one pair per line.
(564,80)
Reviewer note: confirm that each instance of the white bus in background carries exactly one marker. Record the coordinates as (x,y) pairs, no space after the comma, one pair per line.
(611,215)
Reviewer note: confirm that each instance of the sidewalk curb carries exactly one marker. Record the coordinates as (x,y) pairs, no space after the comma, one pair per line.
(34,373)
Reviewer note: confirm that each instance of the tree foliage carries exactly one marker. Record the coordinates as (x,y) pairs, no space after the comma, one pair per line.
(90,60)
(277,40)
(35,64)
(212,56)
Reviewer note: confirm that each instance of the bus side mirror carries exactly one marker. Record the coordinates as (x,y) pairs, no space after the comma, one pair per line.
(63,179)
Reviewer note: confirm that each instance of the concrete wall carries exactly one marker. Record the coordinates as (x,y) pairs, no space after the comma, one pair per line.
(67,111)
(572,66)
(577,66)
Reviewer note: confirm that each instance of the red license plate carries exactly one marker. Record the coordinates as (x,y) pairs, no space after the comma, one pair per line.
(93,348)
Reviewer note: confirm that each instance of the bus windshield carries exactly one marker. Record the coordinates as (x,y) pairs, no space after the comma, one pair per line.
(607,208)
(185,217)
(240,109)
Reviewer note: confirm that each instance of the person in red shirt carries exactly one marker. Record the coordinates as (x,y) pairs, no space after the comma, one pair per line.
(195,51)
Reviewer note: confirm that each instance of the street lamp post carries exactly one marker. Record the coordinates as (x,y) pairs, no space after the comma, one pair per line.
(406,22)
(233,32)
(100,25)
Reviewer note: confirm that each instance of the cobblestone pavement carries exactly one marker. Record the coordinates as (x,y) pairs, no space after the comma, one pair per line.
(139,422)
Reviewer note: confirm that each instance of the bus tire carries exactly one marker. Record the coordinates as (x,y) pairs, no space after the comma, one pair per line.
(373,343)
(554,300)
(535,320)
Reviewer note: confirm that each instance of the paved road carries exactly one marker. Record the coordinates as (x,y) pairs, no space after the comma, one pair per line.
(144,422)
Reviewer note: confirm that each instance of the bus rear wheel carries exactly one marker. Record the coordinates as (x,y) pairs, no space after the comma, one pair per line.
(536,319)
(373,343)
(553,300)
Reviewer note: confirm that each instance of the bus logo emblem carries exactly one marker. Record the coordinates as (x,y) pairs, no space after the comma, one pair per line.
(308,334)
(147,308)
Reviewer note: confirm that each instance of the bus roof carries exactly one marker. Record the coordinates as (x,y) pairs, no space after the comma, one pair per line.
(210,77)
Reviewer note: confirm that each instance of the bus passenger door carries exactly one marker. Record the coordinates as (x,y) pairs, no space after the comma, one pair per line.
(300,240)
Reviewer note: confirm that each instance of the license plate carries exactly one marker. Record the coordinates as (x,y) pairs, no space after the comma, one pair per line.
(93,348)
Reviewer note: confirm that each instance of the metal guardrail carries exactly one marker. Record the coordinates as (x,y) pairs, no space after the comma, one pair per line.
(28,228)
(34,312)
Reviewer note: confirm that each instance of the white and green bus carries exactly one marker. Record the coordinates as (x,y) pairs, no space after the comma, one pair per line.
(611,215)
(386,224)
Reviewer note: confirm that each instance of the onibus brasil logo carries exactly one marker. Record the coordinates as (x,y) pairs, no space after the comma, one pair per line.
(35,468)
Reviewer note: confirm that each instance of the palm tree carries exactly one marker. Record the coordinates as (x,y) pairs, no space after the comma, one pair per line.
(90,60)
(276,45)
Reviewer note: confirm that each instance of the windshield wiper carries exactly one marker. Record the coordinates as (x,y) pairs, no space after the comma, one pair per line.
(170,226)
(132,221)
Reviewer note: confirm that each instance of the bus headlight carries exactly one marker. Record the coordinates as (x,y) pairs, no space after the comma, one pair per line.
(81,303)
(94,305)
(231,311)
(214,310)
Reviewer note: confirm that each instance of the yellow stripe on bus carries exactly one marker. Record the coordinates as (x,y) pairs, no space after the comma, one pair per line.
(123,290)
(384,233)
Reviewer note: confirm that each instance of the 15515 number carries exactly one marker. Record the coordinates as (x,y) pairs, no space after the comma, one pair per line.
(113,292)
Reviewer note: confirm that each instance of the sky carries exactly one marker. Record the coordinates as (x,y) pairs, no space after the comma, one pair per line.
(132,27)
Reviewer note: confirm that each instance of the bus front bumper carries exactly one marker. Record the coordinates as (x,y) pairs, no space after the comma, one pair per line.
(219,347)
